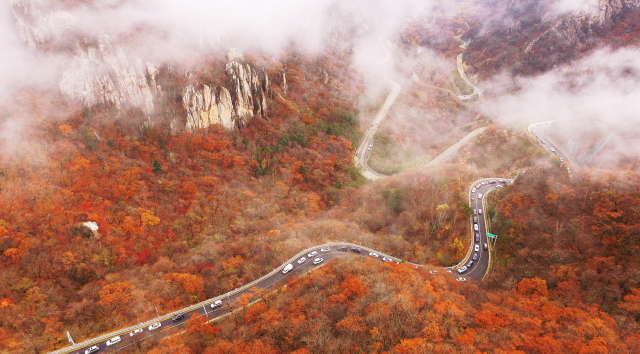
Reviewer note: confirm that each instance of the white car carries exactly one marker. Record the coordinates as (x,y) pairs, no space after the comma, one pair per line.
(475,211)
(312,254)
(302,260)
(498,186)
(373,254)
(287,268)
(386,259)
(139,330)
(154,326)
(475,227)
(476,248)
(461,279)
(462,269)
(113,341)
(92,349)
(480,211)
(325,250)
(473,190)
(216,304)
(480,196)
(318,260)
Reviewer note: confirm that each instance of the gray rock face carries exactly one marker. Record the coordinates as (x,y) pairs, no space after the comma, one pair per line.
(208,106)
(98,73)
(101,74)
(248,88)
(246,98)
(284,83)
(576,28)
(36,27)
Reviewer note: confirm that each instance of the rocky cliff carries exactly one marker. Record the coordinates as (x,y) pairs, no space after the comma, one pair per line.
(245,98)
(102,74)
(207,106)
(527,37)
(577,28)
(98,72)
(37,26)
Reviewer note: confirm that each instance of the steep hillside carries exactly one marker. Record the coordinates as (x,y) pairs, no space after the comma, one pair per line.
(181,216)
(526,37)
(137,179)
(581,237)
(529,37)
(501,152)
(367,307)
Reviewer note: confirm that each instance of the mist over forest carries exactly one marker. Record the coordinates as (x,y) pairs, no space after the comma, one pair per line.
(324,177)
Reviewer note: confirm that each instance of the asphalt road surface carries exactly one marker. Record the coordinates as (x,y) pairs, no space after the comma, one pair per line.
(477,196)
(476,91)
(364,149)
(229,300)
(537,131)
(475,272)
(168,326)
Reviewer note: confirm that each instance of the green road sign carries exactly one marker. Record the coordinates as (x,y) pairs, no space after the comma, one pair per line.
(491,235)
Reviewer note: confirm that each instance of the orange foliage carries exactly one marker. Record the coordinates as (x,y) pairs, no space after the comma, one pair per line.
(353,324)
(533,286)
(192,284)
(352,287)
(116,294)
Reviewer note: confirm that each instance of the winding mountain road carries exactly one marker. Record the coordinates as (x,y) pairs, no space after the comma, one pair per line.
(480,247)
(364,149)
(276,277)
(476,272)
(476,91)
(229,300)
(537,132)
(480,243)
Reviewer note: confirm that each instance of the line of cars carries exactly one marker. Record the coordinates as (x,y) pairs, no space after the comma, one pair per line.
(484,183)
(476,248)
(218,303)
(316,261)
(301,260)
(371,254)
(556,153)
(118,339)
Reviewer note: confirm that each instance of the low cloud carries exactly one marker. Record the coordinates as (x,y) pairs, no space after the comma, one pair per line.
(562,7)
(40,38)
(594,102)
(19,65)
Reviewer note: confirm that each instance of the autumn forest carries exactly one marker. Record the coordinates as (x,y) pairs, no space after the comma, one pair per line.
(183,215)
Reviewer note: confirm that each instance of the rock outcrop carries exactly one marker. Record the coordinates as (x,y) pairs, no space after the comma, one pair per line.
(245,98)
(576,28)
(207,106)
(101,74)
(98,73)
(38,28)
